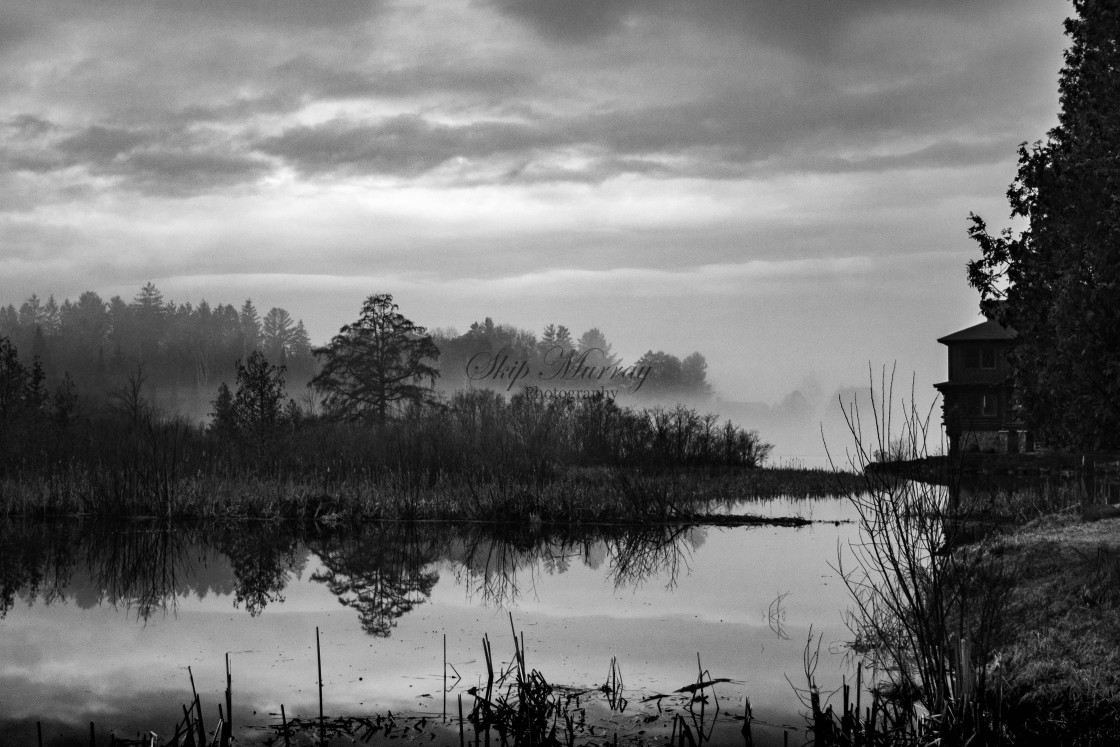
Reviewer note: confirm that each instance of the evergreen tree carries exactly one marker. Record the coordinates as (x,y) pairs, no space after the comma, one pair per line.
(276,332)
(9,321)
(52,318)
(594,340)
(260,392)
(148,303)
(224,417)
(250,328)
(65,403)
(36,398)
(1057,283)
(564,338)
(31,312)
(148,317)
(300,344)
(13,381)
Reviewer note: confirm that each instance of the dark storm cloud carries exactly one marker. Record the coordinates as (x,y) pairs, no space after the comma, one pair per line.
(184,172)
(147,60)
(20,23)
(29,125)
(323,78)
(403,145)
(32,18)
(804,25)
(295,13)
(176,163)
(726,136)
(100,145)
(175,98)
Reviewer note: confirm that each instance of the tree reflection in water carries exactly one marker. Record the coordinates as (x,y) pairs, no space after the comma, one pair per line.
(492,567)
(263,560)
(145,566)
(141,568)
(643,553)
(36,561)
(383,572)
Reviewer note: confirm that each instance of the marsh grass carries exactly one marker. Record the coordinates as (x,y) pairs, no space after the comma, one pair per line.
(476,457)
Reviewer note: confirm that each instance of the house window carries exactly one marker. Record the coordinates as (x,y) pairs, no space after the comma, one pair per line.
(988,404)
(979,357)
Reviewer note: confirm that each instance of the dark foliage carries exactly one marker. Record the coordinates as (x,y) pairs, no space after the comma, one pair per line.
(377,366)
(258,403)
(1057,284)
(185,350)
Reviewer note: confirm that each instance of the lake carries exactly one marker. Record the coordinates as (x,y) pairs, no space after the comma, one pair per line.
(101,622)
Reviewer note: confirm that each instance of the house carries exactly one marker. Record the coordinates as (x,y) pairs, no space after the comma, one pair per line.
(979,414)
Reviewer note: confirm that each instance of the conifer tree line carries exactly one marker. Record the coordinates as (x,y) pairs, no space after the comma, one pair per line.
(671,378)
(183,348)
(195,358)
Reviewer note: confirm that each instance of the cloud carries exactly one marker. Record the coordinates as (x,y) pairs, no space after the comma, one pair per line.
(173,163)
(101,145)
(807,26)
(710,139)
(186,98)
(404,145)
(566,282)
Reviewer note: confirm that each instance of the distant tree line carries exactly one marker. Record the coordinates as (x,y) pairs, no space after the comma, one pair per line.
(670,378)
(184,354)
(182,348)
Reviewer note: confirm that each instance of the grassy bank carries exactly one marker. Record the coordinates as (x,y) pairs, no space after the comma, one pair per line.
(1059,649)
(987,608)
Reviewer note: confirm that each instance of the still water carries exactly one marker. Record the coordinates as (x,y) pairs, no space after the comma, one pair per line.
(100,623)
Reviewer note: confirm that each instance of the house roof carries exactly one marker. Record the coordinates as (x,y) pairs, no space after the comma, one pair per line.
(988,330)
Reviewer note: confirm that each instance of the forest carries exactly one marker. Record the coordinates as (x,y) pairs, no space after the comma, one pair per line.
(100,408)
(184,352)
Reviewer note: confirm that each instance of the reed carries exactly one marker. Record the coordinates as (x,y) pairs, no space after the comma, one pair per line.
(926,610)
(510,460)
(515,705)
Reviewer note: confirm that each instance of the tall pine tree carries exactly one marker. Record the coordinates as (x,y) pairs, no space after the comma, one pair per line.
(1057,283)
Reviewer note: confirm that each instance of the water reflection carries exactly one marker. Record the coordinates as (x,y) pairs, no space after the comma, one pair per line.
(145,568)
(497,568)
(35,563)
(263,558)
(382,572)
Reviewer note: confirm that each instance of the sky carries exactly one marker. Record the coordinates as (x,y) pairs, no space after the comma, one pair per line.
(781,186)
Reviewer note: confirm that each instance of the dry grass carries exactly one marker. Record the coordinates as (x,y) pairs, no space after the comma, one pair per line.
(1060,653)
(571,495)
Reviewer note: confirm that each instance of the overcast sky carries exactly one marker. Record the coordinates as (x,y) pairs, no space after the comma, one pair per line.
(781,185)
